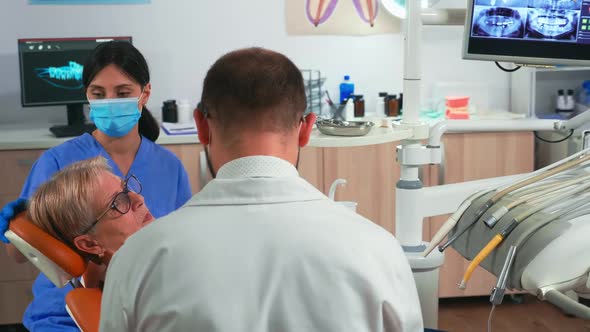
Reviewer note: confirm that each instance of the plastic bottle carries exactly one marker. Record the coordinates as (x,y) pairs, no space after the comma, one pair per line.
(346,89)
(185,113)
(583,94)
(349,109)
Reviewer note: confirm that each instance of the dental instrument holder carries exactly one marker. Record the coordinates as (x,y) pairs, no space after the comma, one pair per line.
(338,111)
(530,237)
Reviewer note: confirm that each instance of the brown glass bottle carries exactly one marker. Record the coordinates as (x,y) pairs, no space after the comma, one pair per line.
(392,105)
(359,106)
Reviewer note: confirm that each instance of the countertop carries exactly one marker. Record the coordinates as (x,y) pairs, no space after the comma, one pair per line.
(24,137)
(27,136)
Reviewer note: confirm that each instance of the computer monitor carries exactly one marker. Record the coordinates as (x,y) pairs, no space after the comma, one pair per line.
(539,32)
(51,74)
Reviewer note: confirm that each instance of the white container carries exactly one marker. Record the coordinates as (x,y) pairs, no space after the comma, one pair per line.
(349,110)
(185,112)
(380,110)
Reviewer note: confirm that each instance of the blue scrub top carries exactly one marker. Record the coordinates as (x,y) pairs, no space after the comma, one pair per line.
(165,188)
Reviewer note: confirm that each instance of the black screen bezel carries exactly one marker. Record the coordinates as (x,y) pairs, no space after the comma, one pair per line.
(523,51)
(21,41)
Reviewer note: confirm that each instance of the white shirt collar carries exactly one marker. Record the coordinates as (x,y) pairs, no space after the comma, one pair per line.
(256,180)
(255,167)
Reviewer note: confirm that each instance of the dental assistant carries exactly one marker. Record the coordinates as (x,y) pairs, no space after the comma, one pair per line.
(116,79)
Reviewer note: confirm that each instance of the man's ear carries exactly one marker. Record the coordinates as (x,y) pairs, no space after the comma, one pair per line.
(306,128)
(147,91)
(202,126)
(87,244)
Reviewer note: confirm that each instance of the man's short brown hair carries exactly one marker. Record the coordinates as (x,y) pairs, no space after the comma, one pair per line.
(254,87)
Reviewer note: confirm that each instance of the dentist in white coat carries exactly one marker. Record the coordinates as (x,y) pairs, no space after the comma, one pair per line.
(259,248)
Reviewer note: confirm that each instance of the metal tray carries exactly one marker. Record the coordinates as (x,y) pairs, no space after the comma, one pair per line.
(344,128)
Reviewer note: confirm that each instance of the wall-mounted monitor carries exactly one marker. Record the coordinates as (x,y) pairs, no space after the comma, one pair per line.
(541,32)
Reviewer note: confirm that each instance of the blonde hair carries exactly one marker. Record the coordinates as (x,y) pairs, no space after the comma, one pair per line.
(66,204)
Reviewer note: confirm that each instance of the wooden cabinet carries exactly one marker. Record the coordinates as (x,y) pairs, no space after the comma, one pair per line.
(189,156)
(471,157)
(14,170)
(311,166)
(15,279)
(371,173)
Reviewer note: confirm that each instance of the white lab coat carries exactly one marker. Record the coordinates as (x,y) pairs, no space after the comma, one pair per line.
(260,249)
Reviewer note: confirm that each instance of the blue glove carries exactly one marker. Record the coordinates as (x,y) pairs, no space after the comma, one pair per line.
(8,212)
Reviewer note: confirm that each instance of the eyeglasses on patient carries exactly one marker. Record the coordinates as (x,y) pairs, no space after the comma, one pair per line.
(121,203)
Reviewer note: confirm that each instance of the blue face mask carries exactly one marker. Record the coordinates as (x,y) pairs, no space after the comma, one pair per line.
(115,117)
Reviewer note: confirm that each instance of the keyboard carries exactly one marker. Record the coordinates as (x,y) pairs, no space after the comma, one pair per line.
(69,131)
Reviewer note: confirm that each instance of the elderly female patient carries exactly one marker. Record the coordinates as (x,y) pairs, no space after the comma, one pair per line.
(90,209)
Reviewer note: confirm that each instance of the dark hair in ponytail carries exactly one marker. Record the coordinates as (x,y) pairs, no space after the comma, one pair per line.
(125,56)
(148,126)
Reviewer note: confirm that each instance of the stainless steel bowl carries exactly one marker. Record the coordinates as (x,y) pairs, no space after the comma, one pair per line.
(344,128)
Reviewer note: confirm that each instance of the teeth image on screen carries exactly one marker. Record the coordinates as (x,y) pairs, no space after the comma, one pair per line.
(65,77)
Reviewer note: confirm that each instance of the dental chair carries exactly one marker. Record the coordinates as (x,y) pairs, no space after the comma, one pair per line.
(62,266)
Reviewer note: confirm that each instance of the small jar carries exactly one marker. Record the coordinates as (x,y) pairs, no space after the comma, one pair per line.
(392,105)
(170,111)
(359,106)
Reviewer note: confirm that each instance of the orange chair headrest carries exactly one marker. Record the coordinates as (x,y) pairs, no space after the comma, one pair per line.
(58,252)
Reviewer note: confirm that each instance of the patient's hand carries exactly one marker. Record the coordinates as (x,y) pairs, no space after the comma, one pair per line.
(8,212)
(94,275)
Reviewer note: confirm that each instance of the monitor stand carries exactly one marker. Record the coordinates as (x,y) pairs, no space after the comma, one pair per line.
(76,125)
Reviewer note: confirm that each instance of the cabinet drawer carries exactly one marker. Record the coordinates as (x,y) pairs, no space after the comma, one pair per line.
(14,169)
(189,156)
(371,173)
(14,299)
(9,269)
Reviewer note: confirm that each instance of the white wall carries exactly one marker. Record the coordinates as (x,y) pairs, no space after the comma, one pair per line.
(182,38)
